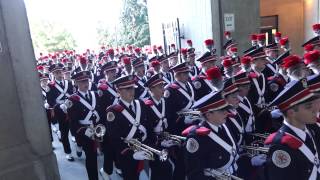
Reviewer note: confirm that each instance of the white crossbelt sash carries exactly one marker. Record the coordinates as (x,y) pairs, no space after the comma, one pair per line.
(135,122)
(251,118)
(86,120)
(161,115)
(261,100)
(214,89)
(231,149)
(145,90)
(63,92)
(313,158)
(190,98)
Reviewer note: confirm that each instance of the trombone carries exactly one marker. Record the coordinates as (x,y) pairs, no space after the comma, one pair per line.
(136,145)
(175,138)
(219,174)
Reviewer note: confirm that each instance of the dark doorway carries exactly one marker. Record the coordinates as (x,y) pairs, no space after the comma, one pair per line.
(269,26)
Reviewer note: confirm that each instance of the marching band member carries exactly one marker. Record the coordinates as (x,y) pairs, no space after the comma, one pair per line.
(294,148)
(58,91)
(211,150)
(127,120)
(157,113)
(84,113)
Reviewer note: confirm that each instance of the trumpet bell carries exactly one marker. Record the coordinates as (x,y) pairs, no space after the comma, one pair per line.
(100,130)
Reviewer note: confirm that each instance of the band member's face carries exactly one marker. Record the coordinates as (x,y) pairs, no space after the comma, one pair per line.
(306,113)
(298,72)
(217,117)
(157,90)
(165,65)
(111,74)
(44,82)
(259,64)
(127,94)
(208,65)
(233,99)
(243,90)
(58,74)
(182,76)
(140,70)
(315,67)
(272,54)
(67,75)
(83,85)
(173,61)
(157,68)
(128,67)
(191,60)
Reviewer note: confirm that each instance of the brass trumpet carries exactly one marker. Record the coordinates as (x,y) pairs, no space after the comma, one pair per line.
(218,174)
(136,145)
(175,138)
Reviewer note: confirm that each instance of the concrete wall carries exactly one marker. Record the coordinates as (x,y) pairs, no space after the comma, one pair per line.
(195,20)
(247,19)
(201,20)
(25,147)
(311,16)
(291,19)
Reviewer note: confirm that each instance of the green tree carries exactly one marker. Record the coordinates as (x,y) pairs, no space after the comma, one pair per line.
(105,35)
(51,37)
(134,27)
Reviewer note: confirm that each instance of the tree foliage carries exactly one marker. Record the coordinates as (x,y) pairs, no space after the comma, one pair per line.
(133,28)
(51,37)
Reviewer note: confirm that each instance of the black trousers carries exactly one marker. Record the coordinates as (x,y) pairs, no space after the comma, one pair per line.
(64,127)
(161,170)
(89,148)
(129,167)
(109,155)
(179,172)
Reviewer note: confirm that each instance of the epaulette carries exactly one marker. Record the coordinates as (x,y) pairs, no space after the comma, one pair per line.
(74,97)
(103,87)
(285,139)
(116,107)
(52,83)
(148,102)
(252,75)
(196,130)
(174,86)
(231,115)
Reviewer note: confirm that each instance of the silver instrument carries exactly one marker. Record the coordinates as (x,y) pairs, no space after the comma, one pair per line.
(136,145)
(175,138)
(221,175)
(99,131)
(255,150)
(263,136)
(190,113)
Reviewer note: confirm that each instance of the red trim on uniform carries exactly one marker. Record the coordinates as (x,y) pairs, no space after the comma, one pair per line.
(127,83)
(187,130)
(315,87)
(156,82)
(202,131)
(213,106)
(291,141)
(286,104)
(230,89)
(270,138)
(244,80)
(183,69)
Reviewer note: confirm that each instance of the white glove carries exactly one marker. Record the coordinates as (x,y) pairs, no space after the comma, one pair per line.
(141,155)
(276,113)
(188,119)
(89,132)
(64,108)
(167,143)
(46,105)
(258,160)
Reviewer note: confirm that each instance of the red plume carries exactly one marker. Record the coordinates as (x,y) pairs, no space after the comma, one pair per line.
(209,42)
(213,73)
